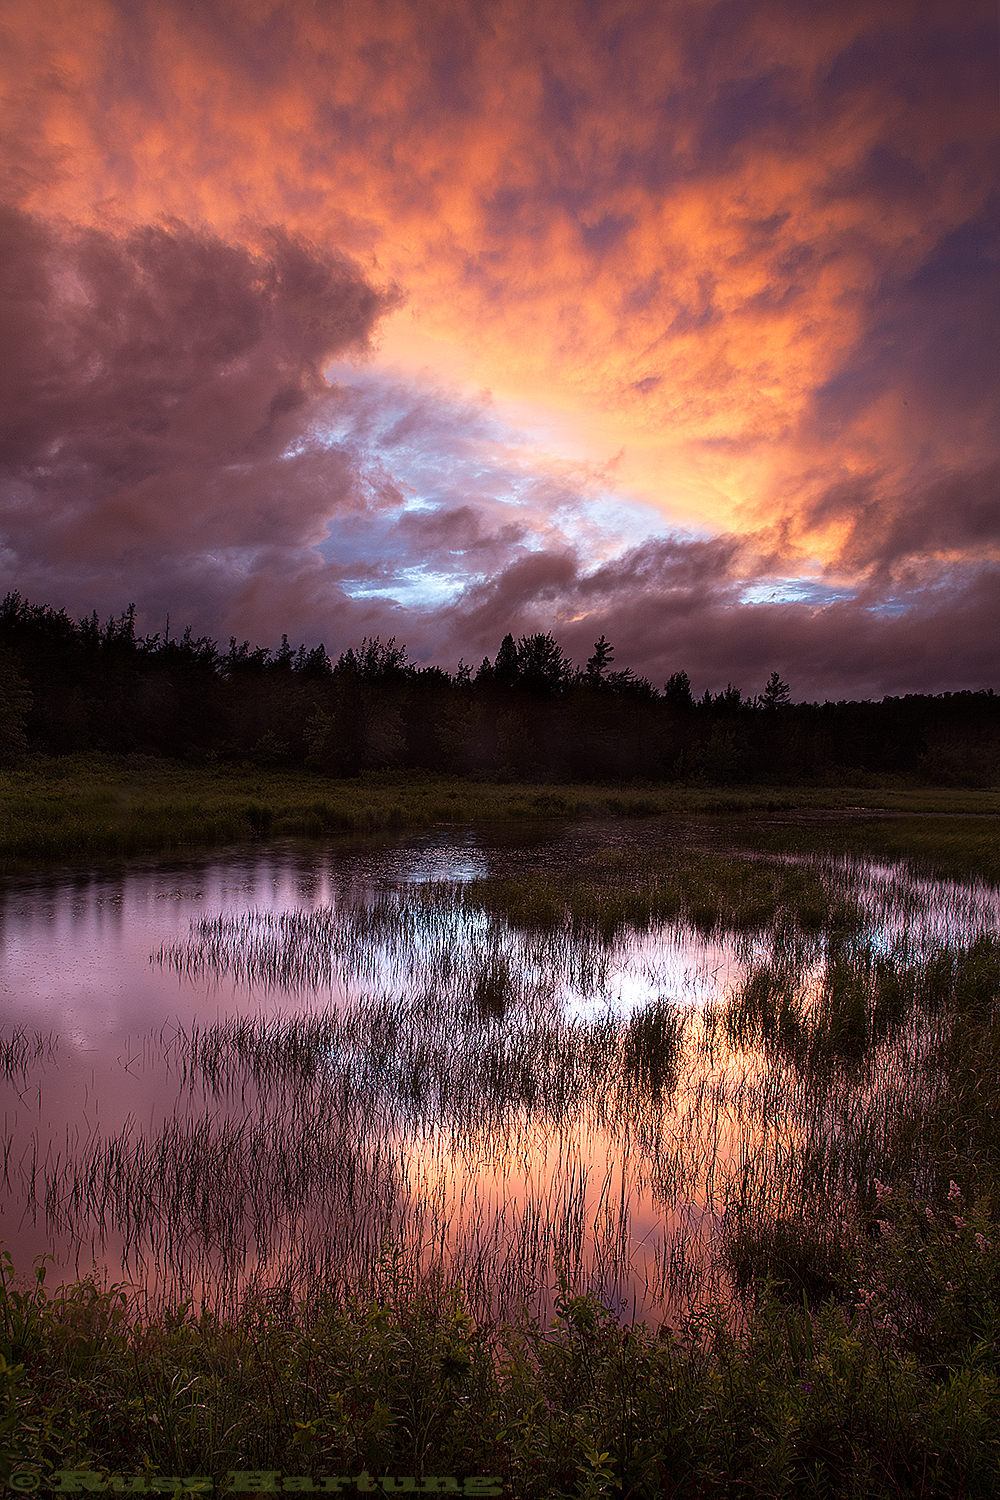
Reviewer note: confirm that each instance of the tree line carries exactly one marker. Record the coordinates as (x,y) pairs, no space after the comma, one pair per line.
(525,714)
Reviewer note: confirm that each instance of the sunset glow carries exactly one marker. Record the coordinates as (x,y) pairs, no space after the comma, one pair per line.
(672,322)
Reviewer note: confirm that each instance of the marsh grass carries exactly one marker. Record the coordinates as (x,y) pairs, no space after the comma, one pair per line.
(961,846)
(851,1400)
(81,807)
(326,1136)
(21,1048)
(822,1147)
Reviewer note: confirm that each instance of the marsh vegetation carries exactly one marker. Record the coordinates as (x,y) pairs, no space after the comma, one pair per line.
(82,807)
(457,1120)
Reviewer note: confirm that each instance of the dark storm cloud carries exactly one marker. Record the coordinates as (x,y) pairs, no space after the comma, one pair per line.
(157,392)
(677,605)
(890,532)
(928,369)
(168,437)
(126,356)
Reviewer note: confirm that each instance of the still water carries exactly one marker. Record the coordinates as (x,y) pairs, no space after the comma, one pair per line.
(270,1064)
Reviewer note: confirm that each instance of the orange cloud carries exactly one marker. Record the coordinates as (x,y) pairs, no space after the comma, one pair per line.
(727,238)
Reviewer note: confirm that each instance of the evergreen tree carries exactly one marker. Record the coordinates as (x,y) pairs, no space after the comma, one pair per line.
(775,693)
(604,655)
(677,691)
(507,667)
(542,667)
(15,705)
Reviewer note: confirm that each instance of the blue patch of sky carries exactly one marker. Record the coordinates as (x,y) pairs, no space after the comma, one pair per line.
(891,607)
(416,588)
(428,451)
(793,591)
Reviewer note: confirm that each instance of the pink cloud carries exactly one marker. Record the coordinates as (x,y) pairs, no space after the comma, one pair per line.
(761,239)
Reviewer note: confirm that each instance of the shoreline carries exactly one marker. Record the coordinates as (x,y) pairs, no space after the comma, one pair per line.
(90,806)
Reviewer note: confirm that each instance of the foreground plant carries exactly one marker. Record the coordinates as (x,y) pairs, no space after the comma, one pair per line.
(858,1398)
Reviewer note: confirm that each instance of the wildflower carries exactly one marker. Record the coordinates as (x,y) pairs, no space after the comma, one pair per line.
(982,1243)
(960,1223)
(954,1193)
(882,1192)
(929,1213)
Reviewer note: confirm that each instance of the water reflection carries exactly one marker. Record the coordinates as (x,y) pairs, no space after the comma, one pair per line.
(300,1062)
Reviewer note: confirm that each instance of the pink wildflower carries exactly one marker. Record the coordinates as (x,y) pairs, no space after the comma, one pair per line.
(954,1193)
(881,1191)
(930,1215)
(960,1223)
(982,1243)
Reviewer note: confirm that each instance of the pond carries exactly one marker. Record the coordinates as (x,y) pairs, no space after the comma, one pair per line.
(277,1063)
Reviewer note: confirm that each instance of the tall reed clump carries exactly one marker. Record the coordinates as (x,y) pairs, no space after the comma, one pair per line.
(888,1204)
(964,1123)
(929,1019)
(633,890)
(861,1000)
(20,1048)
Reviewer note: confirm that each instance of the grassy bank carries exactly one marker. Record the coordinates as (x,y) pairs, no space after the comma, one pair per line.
(861,1397)
(81,807)
(951,845)
(618,891)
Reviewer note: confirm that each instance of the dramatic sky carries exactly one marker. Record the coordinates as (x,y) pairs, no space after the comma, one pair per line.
(674,321)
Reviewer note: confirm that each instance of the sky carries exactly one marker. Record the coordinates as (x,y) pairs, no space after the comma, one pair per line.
(437,319)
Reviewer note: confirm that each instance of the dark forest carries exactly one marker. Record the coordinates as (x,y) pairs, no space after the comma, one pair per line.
(526,714)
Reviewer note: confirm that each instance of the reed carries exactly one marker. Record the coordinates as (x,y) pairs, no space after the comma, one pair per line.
(21,1048)
(342,1276)
(80,807)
